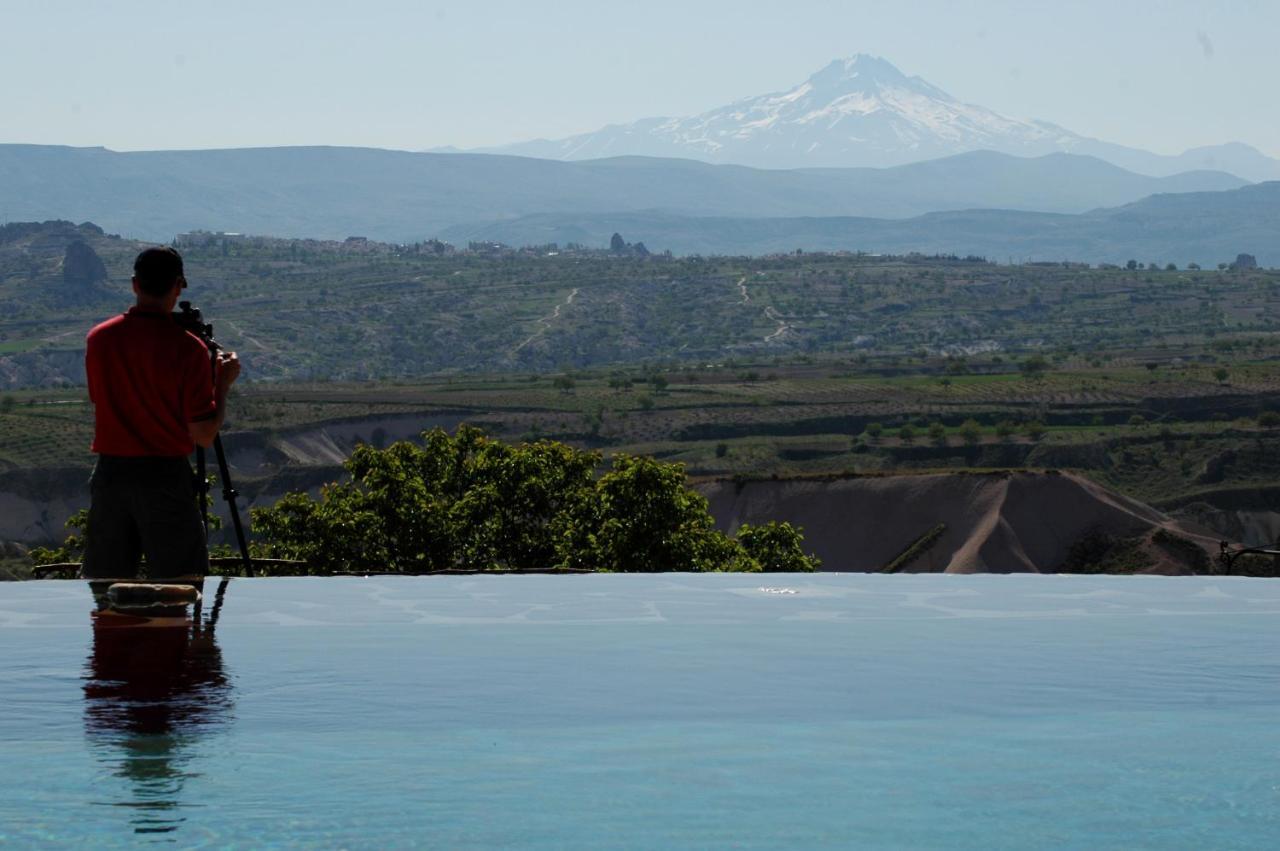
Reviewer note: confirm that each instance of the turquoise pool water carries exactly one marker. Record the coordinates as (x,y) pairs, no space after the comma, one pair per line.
(654,711)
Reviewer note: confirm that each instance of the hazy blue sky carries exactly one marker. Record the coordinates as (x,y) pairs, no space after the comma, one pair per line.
(412,75)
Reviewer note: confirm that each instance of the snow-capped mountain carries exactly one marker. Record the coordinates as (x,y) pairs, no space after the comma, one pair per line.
(863,111)
(856,111)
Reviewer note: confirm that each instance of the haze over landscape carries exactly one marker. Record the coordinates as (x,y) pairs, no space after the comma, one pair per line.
(833,313)
(907,193)
(858,139)
(624,422)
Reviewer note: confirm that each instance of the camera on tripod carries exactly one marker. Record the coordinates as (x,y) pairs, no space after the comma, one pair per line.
(190,319)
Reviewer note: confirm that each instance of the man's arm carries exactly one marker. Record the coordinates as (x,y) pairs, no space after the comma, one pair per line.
(204,431)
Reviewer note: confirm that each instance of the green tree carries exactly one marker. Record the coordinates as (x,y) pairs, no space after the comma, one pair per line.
(1005,429)
(1034,430)
(777,548)
(907,434)
(1222,374)
(72,548)
(938,433)
(874,430)
(1034,368)
(470,501)
(564,383)
(455,501)
(645,519)
(970,432)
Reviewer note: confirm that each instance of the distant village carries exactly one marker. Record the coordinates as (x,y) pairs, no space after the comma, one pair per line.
(363,245)
(618,247)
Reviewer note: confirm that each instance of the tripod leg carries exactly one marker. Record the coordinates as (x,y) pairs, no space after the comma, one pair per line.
(229,494)
(202,480)
(221,594)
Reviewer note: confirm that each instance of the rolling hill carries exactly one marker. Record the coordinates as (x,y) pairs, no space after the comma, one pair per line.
(404,197)
(1203,227)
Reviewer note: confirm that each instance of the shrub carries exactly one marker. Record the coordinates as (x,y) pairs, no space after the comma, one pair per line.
(915,549)
(1188,551)
(72,549)
(642,518)
(469,501)
(777,548)
(1098,551)
(1034,368)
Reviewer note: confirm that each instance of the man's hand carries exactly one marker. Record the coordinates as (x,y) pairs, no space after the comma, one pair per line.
(228,369)
(204,431)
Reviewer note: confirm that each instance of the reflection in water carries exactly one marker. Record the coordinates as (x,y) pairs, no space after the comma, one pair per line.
(152,693)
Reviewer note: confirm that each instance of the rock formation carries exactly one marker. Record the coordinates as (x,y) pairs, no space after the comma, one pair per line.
(82,268)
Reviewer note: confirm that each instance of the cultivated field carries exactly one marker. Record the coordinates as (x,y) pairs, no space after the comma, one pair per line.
(1162,383)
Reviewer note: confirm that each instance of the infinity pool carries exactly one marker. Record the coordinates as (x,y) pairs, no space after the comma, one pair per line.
(654,711)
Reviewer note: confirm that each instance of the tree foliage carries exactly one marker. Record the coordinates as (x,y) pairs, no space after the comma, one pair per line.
(468,501)
(72,548)
(1034,368)
(777,547)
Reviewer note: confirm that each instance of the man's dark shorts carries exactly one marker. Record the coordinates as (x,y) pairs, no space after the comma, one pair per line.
(144,506)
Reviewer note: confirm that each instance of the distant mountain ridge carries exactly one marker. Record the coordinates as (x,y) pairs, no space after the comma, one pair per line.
(862,111)
(404,197)
(1203,227)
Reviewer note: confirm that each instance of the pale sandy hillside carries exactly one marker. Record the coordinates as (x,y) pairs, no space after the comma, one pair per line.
(958,523)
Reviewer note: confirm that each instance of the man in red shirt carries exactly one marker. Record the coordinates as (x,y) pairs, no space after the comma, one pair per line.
(155,396)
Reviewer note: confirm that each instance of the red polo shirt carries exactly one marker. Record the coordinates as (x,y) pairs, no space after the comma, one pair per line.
(148,378)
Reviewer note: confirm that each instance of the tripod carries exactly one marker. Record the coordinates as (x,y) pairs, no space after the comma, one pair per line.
(190,319)
(229,493)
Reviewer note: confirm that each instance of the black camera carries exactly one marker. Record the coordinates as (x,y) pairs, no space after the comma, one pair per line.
(189,319)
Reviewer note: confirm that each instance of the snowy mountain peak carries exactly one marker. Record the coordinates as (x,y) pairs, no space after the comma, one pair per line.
(860,84)
(860,110)
(856,111)
(859,71)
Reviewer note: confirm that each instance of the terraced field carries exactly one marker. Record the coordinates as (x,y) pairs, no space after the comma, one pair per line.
(1163,384)
(300,310)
